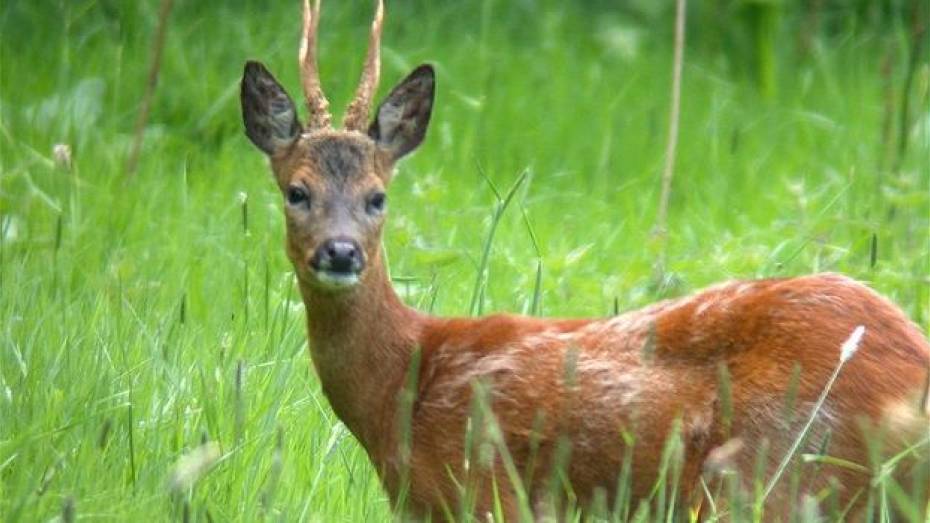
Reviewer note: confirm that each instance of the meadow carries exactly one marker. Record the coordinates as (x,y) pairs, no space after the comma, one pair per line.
(143,315)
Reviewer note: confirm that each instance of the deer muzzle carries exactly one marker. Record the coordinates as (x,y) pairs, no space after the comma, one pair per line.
(338,262)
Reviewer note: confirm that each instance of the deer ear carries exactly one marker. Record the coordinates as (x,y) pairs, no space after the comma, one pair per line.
(267,111)
(403,117)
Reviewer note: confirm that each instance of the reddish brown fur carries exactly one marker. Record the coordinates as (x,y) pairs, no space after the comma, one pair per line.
(759,334)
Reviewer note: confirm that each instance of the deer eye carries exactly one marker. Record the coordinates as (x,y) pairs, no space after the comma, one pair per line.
(297,196)
(376,203)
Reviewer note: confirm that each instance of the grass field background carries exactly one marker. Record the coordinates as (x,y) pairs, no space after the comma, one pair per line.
(140,317)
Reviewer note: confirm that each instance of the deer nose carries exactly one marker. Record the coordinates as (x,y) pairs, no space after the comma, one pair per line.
(340,255)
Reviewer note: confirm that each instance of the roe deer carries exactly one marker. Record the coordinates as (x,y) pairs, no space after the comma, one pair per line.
(584,398)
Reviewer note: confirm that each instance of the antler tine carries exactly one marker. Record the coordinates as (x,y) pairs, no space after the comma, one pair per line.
(357,114)
(309,72)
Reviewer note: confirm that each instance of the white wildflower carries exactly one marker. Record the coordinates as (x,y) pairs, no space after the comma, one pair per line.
(62,154)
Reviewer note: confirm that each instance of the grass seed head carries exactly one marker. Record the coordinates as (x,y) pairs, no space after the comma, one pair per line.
(192,466)
(851,345)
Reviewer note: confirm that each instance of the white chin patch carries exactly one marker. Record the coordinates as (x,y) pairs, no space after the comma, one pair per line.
(335,280)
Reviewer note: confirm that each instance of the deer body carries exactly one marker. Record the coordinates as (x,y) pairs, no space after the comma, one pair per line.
(587,382)
(495,404)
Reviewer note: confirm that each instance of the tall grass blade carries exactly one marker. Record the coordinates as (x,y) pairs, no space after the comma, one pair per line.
(502,203)
(847,350)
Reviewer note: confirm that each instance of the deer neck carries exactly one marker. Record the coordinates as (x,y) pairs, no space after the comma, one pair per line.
(361,342)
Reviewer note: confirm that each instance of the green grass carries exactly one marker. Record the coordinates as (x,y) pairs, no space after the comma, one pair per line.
(139,318)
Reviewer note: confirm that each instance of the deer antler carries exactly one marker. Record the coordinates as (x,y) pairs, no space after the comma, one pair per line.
(309,72)
(356,117)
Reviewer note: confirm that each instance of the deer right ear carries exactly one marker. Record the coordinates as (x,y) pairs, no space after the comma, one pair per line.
(267,111)
(403,117)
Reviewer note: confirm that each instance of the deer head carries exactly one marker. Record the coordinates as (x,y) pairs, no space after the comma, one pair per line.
(334,180)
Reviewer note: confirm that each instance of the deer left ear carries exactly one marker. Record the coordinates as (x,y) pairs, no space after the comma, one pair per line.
(403,117)
(267,111)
